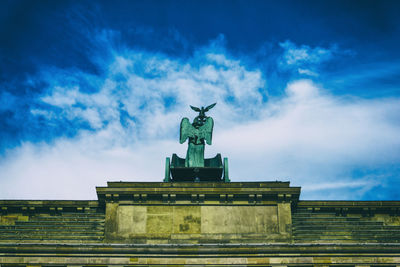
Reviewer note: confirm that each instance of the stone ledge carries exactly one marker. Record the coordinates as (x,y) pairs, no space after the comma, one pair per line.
(370,249)
(349,204)
(355,207)
(249,192)
(48,206)
(199,184)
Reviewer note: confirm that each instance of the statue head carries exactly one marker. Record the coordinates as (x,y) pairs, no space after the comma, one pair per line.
(201,118)
(199,121)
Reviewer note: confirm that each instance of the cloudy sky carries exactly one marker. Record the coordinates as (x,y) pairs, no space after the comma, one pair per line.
(306,92)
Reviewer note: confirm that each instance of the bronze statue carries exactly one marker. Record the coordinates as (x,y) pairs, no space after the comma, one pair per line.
(199,132)
(195,168)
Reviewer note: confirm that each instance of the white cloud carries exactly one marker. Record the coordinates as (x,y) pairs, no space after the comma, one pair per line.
(62,97)
(305,54)
(316,138)
(307,136)
(306,60)
(307,72)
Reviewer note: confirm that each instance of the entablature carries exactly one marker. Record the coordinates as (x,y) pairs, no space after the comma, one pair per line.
(241,193)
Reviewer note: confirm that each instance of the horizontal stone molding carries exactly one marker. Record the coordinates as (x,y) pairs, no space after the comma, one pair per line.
(270,249)
(200,193)
(345,207)
(38,206)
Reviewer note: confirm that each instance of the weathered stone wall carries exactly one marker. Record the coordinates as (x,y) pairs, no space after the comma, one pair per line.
(201,224)
(197,213)
(28,221)
(346,222)
(10,219)
(197,224)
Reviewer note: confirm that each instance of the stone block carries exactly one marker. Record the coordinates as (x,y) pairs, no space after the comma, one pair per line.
(238,219)
(187,220)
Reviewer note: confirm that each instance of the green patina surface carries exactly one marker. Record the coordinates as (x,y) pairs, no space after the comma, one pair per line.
(194,167)
(199,132)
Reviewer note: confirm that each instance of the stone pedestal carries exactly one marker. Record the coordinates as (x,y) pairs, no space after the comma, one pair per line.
(247,212)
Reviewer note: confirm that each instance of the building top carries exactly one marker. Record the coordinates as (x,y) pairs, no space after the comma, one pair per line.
(204,192)
(199,213)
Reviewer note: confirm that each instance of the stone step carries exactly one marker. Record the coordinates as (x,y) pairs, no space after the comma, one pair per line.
(354,232)
(347,230)
(49,227)
(339,226)
(345,227)
(71,216)
(313,240)
(42,235)
(339,240)
(46,234)
(296,223)
(45,238)
(84,214)
(361,232)
(57,223)
(301,215)
(54,220)
(44,217)
(53,241)
(337,236)
(327,218)
(5,231)
(50,234)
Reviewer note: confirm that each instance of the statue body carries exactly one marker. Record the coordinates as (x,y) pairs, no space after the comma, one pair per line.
(199,133)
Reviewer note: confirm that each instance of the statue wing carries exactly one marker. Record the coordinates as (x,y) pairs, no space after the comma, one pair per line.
(187,130)
(205,131)
(209,107)
(195,108)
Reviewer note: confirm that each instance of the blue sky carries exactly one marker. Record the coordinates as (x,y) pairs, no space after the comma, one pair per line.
(307,91)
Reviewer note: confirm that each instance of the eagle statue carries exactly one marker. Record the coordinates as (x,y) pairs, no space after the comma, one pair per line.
(199,132)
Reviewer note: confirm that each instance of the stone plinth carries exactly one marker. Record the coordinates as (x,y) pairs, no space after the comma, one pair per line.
(249,212)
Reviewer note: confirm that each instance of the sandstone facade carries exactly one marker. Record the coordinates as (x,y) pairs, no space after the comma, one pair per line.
(199,224)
